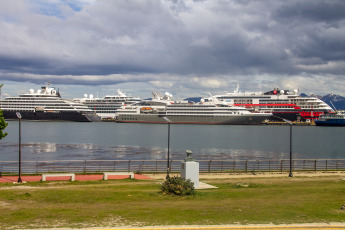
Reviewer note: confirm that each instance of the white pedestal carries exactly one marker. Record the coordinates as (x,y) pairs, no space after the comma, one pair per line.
(190,170)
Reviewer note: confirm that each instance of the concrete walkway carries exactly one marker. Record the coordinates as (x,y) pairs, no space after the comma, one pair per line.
(12,179)
(312,226)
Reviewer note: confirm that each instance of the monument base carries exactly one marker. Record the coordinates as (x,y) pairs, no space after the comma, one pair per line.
(190,170)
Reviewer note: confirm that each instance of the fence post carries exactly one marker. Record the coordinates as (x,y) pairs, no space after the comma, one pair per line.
(326,165)
(129,165)
(246,166)
(281,166)
(258,165)
(142,167)
(233,168)
(209,166)
(303,165)
(315,165)
(269,166)
(336,163)
(156,166)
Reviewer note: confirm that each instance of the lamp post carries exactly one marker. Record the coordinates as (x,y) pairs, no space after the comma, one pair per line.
(290,123)
(168,160)
(20,148)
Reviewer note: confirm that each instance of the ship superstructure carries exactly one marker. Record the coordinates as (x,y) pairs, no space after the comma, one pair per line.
(107,106)
(283,104)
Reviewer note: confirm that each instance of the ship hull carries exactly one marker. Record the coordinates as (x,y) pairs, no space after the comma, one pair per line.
(298,115)
(253,119)
(334,122)
(53,115)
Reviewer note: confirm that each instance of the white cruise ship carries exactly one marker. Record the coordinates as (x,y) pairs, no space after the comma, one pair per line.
(107,106)
(208,111)
(45,104)
(283,104)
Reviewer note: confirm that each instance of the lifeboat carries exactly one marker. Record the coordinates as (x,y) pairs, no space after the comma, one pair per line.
(146,109)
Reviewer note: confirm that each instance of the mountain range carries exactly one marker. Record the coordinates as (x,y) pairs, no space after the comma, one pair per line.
(335,101)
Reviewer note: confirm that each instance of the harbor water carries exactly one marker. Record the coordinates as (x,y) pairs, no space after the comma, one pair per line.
(54,140)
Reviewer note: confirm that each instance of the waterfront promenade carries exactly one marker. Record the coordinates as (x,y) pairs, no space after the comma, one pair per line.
(161,176)
(313,226)
(14,179)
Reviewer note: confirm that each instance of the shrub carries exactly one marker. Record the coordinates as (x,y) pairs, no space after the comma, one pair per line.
(178,186)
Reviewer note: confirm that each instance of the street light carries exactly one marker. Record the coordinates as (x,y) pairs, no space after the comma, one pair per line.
(290,123)
(20,148)
(168,160)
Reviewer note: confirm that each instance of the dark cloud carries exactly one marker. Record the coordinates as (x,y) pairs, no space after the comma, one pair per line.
(312,11)
(170,38)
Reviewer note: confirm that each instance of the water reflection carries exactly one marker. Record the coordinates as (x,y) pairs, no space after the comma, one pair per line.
(112,141)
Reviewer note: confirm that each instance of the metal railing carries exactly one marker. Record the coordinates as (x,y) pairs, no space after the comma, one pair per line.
(160,166)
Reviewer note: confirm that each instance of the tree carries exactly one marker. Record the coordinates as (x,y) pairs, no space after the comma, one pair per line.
(3,125)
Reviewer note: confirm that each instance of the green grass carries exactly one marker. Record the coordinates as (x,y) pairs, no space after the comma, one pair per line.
(139,203)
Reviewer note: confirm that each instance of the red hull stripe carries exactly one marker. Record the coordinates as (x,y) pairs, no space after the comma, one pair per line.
(250,105)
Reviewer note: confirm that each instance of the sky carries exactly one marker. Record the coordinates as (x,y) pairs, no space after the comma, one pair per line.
(188,48)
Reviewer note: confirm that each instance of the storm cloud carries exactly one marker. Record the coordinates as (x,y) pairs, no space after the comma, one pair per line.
(185,45)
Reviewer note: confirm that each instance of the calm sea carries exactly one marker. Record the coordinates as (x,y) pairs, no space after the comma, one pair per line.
(109,141)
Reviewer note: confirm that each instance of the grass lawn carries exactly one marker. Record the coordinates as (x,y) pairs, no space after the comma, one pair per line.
(279,200)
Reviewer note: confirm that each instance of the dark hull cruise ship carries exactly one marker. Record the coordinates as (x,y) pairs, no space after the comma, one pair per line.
(45,104)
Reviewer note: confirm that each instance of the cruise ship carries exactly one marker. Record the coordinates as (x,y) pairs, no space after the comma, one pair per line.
(283,104)
(45,104)
(162,109)
(107,106)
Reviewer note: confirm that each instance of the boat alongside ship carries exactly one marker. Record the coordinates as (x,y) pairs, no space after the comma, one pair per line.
(162,109)
(283,104)
(331,119)
(45,104)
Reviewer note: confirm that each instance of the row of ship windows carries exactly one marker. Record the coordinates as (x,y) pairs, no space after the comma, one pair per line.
(214,112)
(32,105)
(30,108)
(31,100)
(104,107)
(130,117)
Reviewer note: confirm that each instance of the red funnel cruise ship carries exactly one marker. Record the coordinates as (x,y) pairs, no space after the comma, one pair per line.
(283,104)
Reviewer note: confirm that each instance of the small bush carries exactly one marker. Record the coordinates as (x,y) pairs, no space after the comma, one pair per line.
(178,186)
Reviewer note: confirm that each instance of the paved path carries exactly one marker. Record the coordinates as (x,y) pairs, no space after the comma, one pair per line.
(11,179)
(313,226)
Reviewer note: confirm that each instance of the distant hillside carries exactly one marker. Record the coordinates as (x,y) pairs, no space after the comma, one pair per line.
(193,99)
(338,101)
